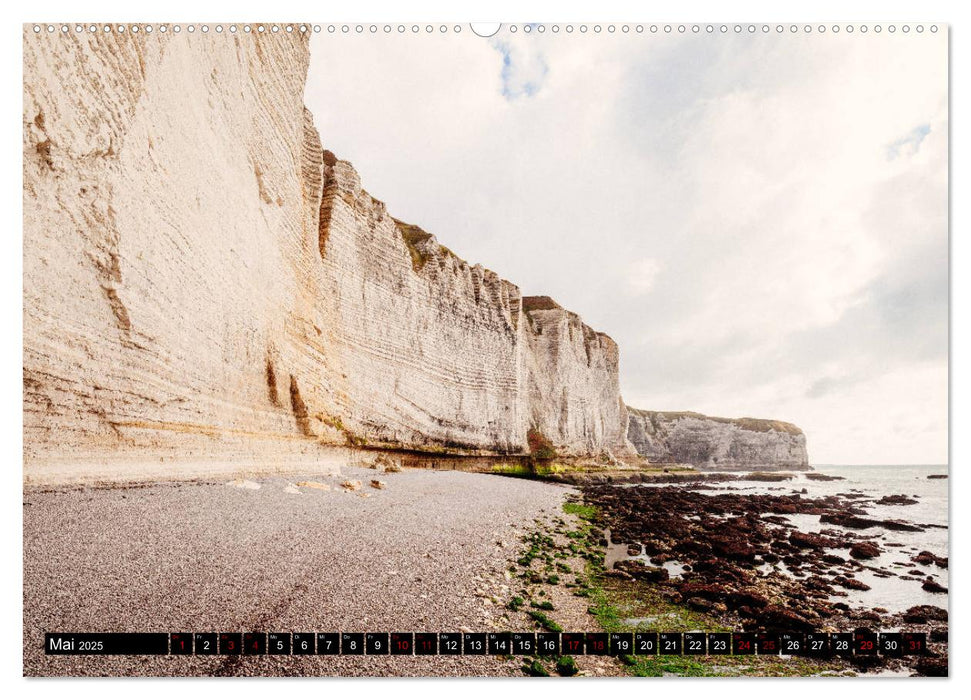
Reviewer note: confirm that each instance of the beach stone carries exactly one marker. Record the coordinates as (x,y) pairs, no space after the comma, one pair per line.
(919,614)
(314,485)
(850,583)
(767,477)
(618,574)
(932,586)
(386,462)
(927,558)
(709,591)
(243,484)
(896,500)
(378,484)
(934,667)
(857,522)
(351,484)
(865,550)
(777,617)
(643,572)
(810,540)
(748,598)
(700,604)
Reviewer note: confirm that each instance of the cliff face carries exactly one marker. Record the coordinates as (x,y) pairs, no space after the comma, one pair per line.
(571,369)
(206,288)
(717,443)
(428,350)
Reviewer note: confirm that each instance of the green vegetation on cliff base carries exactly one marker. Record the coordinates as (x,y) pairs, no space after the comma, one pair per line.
(540,446)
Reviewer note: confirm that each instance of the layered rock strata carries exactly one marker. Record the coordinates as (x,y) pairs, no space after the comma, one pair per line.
(572,369)
(712,443)
(207,289)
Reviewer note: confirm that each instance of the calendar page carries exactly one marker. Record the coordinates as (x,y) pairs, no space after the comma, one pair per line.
(413,348)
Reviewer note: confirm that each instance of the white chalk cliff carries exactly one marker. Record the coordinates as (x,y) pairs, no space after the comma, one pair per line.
(705,442)
(207,289)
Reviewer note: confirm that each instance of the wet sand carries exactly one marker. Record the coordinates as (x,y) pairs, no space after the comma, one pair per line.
(426,553)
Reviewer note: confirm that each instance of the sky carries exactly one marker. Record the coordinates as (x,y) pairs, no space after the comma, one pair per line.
(759,220)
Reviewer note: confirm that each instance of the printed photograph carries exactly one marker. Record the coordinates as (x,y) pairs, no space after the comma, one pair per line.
(591,349)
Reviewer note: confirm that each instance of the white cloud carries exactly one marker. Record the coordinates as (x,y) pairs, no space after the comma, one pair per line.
(641,275)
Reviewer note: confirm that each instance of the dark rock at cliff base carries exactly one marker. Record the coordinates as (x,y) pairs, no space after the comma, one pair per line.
(857,522)
(919,614)
(700,604)
(934,667)
(619,574)
(896,500)
(927,558)
(692,589)
(850,583)
(767,477)
(733,549)
(865,550)
(642,572)
(809,540)
(901,526)
(937,476)
(721,538)
(779,618)
(932,586)
(748,599)
(868,662)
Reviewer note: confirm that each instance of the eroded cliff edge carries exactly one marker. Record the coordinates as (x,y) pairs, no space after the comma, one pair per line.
(207,289)
(706,442)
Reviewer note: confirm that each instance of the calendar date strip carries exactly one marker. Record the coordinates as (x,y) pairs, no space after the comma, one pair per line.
(813,644)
